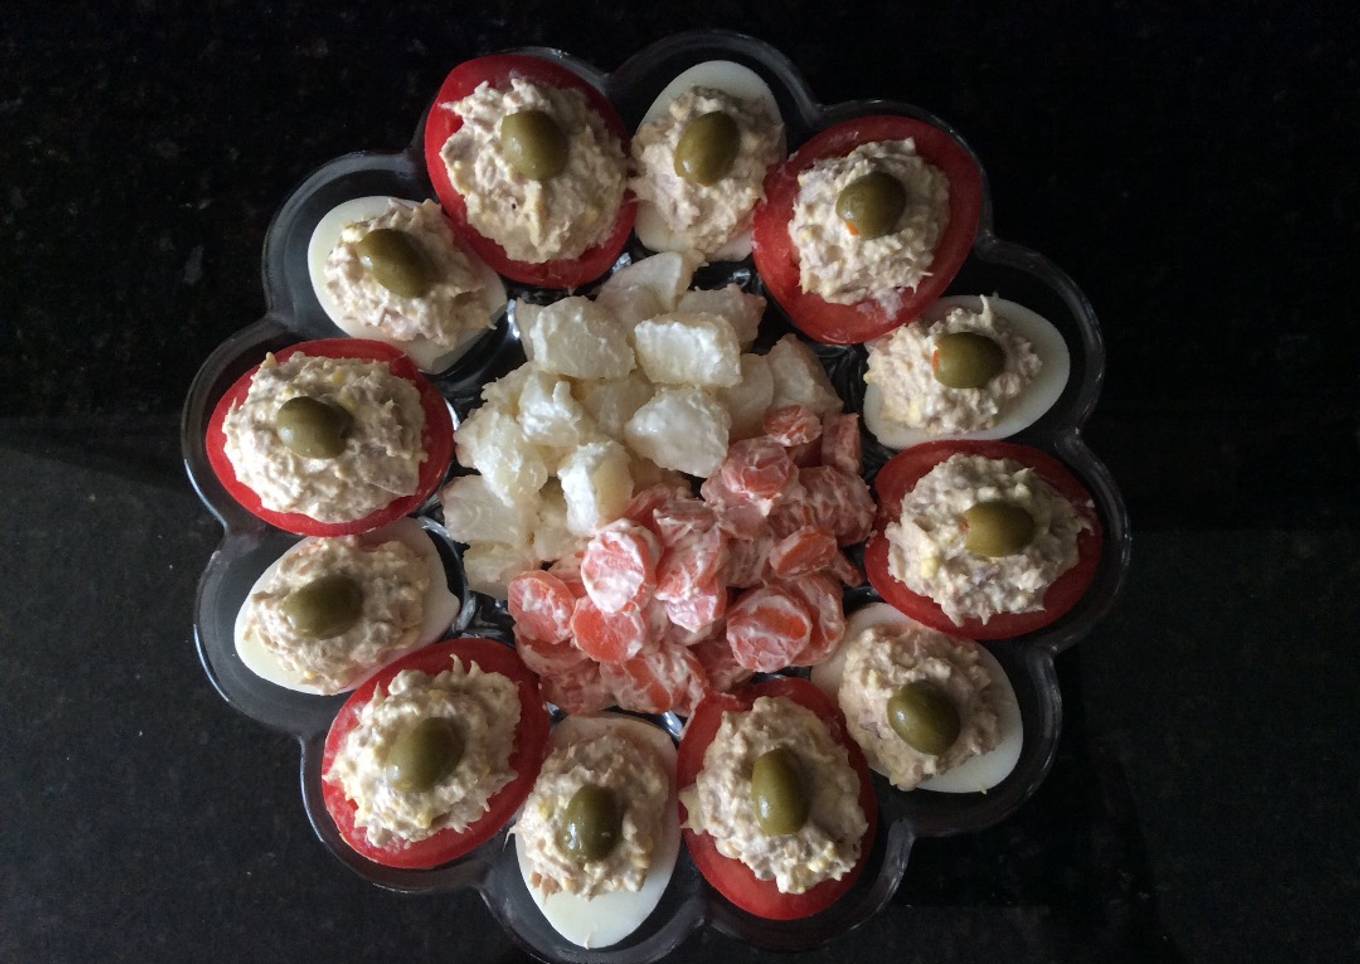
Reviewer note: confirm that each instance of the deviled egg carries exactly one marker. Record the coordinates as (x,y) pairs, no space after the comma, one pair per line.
(957,728)
(392,270)
(329,612)
(971,367)
(599,834)
(700,157)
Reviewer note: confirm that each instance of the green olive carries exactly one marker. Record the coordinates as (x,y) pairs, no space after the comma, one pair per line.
(997,529)
(534,144)
(396,261)
(872,205)
(312,428)
(594,823)
(708,145)
(965,359)
(781,801)
(924,716)
(425,754)
(324,607)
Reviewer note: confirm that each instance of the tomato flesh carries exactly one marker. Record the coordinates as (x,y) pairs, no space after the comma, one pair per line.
(899,475)
(776,255)
(729,876)
(441,124)
(437,440)
(531,740)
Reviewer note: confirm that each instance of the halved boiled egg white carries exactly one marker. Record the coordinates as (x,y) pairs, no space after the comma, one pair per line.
(980,773)
(441,608)
(1038,397)
(429,355)
(735,80)
(606,919)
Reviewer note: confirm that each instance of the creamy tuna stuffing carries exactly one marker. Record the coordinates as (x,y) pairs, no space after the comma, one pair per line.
(484,706)
(392,578)
(640,784)
(900,364)
(536,221)
(383,450)
(828,844)
(456,304)
(843,268)
(708,216)
(926,545)
(882,659)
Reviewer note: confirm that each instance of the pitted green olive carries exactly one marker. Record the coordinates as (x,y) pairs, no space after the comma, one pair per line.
(872,204)
(312,428)
(781,801)
(924,716)
(594,823)
(425,754)
(324,607)
(396,261)
(997,529)
(535,144)
(707,148)
(965,359)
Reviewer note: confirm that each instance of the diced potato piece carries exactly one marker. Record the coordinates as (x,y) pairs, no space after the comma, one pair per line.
(552,538)
(526,316)
(749,400)
(504,392)
(611,404)
(685,429)
(549,414)
(667,275)
(681,349)
(742,311)
(492,442)
(489,567)
(474,513)
(580,339)
(597,485)
(799,378)
(631,303)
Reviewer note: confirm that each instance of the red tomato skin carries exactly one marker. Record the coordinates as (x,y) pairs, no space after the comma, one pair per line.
(437,440)
(902,472)
(441,124)
(531,741)
(730,877)
(777,258)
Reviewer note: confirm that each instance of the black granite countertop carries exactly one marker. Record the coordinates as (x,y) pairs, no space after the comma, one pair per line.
(1193,169)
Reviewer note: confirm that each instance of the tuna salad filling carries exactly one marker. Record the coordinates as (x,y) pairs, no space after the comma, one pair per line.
(484,709)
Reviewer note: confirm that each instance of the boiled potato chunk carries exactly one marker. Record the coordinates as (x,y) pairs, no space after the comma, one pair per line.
(741,310)
(580,339)
(799,378)
(474,513)
(489,567)
(612,403)
(685,429)
(679,349)
(550,414)
(665,275)
(749,400)
(631,304)
(504,392)
(493,443)
(552,539)
(597,484)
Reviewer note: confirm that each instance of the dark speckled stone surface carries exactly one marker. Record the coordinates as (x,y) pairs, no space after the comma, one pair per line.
(1193,168)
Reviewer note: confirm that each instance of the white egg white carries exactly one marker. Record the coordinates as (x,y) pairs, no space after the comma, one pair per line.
(1038,397)
(735,80)
(428,355)
(608,918)
(980,773)
(441,608)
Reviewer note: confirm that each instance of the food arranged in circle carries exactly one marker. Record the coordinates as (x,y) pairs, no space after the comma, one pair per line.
(663,507)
